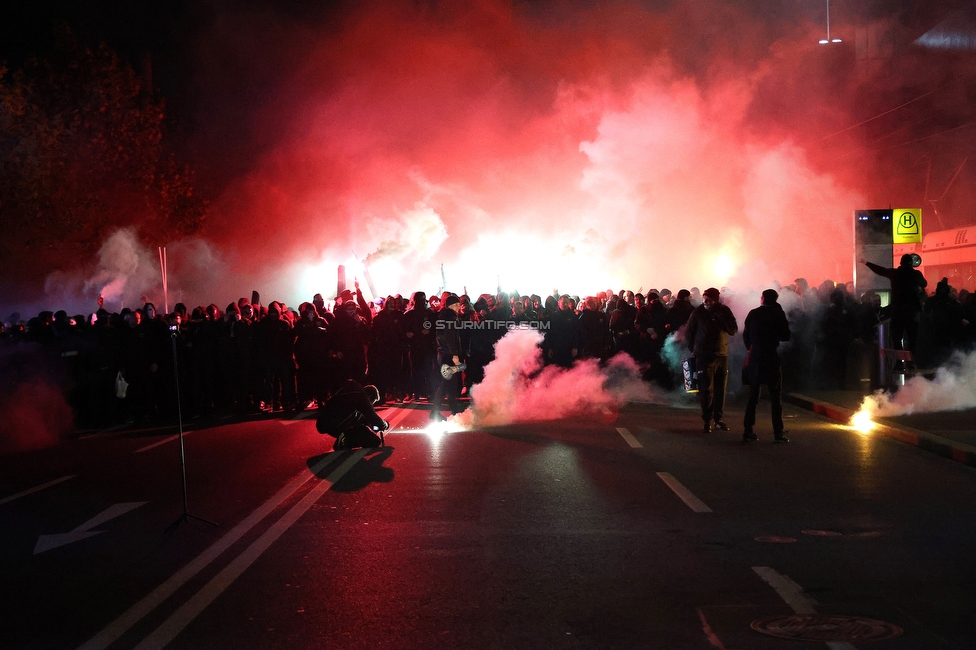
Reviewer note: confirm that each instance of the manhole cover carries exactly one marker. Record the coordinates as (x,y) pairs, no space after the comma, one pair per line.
(822,533)
(776,539)
(826,628)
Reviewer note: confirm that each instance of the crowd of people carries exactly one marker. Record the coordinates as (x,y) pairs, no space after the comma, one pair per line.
(249,357)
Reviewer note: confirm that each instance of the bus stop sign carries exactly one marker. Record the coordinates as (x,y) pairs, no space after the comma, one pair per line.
(906,226)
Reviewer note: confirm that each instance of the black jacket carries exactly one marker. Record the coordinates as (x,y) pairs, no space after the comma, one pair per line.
(907,284)
(764,328)
(448,334)
(348,408)
(709,331)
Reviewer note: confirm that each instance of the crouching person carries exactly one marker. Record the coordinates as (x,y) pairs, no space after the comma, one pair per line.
(349,417)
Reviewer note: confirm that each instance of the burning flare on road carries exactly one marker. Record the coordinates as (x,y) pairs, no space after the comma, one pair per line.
(861,421)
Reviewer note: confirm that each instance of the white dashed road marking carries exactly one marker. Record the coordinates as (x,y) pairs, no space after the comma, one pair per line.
(398,418)
(684,493)
(163,442)
(84,531)
(631,440)
(796,598)
(35,489)
(789,591)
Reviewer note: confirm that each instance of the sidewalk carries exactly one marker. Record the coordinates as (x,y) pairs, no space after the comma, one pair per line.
(951,434)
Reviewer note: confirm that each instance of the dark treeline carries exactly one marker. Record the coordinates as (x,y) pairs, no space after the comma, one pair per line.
(247,358)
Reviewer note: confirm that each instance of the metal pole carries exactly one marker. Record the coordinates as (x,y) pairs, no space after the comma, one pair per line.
(179,415)
(828,21)
(179,419)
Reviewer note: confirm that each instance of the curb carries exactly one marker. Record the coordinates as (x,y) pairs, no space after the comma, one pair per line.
(957,451)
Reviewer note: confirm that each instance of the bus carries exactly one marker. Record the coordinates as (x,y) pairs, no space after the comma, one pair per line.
(945,254)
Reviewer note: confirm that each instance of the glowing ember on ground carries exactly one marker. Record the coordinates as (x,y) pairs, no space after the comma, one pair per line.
(437,430)
(861,422)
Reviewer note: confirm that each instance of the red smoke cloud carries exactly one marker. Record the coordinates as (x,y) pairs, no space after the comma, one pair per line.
(36,415)
(571,152)
(542,145)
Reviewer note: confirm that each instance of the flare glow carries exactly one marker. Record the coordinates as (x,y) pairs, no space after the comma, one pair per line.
(862,423)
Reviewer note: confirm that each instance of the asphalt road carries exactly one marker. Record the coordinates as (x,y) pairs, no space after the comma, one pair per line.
(593,532)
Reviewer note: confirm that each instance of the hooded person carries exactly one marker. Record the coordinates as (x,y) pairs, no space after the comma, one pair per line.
(562,340)
(350,418)
(594,329)
(480,342)
(276,337)
(709,328)
(623,326)
(318,302)
(312,348)
(418,327)
(233,360)
(679,312)
(942,328)
(765,327)
(448,333)
(907,292)
(388,352)
(346,297)
(350,335)
(651,323)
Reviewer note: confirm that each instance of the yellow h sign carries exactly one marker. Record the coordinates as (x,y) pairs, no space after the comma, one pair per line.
(906,226)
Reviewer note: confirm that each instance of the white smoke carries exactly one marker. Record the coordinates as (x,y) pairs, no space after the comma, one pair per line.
(123,269)
(123,273)
(952,389)
(672,161)
(126,273)
(418,232)
(518,387)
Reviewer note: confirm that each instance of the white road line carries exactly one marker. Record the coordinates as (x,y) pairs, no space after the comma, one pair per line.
(103,432)
(684,493)
(794,596)
(789,591)
(36,489)
(631,440)
(137,612)
(304,415)
(84,531)
(398,418)
(195,605)
(163,442)
(401,414)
